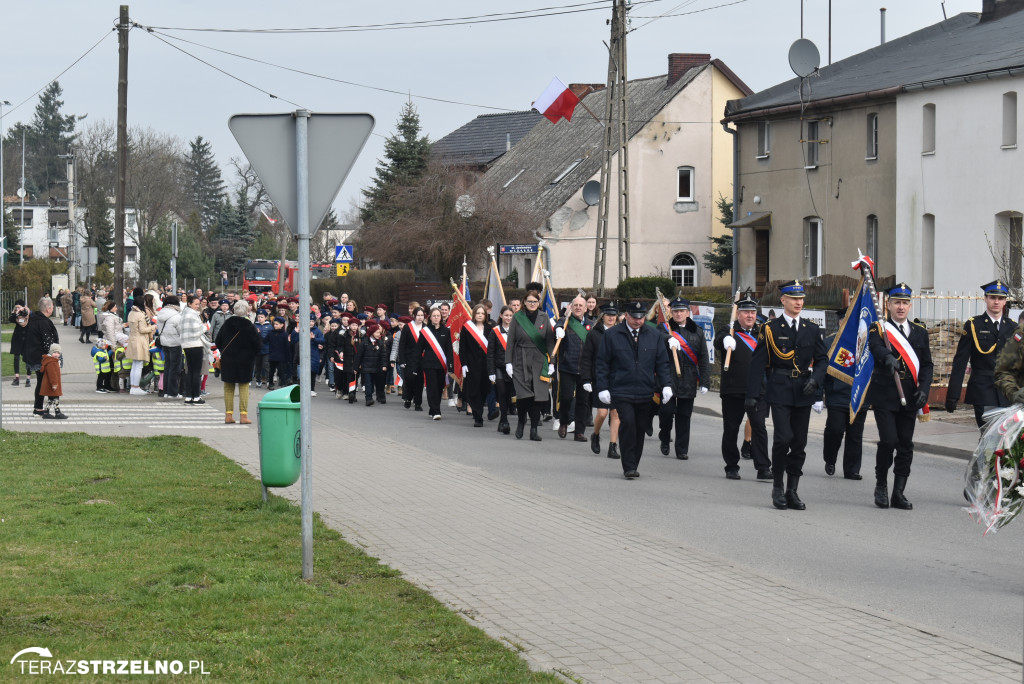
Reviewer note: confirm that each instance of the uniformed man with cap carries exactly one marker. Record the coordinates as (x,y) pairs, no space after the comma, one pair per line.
(908,357)
(792,354)
(981,340)
(741,337)
(631,366)
(686,340)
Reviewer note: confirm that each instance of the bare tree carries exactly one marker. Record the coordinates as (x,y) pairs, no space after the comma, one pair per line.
(251,188)
(1007,251)
(155,178)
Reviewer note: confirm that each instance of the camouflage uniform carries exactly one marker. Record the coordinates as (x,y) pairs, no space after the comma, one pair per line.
(1010,367)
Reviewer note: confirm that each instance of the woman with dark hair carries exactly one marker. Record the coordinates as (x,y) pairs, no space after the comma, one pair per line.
(87,306)
(110,324)
(140,334)
(531,337)
(19,317)
(168,322)
(473,355)
(433,359)
(408,342)
(239,343)
(195,344)
(497,339)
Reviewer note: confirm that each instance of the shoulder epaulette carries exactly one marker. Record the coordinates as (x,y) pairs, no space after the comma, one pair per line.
(920,325)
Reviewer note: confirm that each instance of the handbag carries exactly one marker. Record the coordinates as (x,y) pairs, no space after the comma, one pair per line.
(216,363)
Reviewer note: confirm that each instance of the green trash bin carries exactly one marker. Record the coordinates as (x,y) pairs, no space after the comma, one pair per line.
(278,422)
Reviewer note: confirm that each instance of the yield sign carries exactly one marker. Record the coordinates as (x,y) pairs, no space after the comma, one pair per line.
(268,141)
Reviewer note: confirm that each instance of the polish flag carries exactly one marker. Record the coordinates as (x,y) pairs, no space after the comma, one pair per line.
(557,101)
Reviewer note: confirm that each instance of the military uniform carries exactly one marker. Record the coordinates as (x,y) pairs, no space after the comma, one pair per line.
(896,422)
(794,363)
(981,340)
(694,372)
(1009,372)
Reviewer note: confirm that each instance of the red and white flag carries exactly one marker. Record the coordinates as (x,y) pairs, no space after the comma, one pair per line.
(556,102)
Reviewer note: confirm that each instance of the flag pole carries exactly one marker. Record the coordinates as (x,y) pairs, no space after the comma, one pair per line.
(870,279)
(732,319)
(665,314)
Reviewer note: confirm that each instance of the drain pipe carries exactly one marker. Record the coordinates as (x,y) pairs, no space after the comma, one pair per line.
(735,204)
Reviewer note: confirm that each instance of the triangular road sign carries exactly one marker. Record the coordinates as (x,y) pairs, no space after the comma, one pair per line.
(334,140)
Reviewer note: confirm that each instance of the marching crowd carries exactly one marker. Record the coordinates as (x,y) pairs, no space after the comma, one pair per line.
(519,364)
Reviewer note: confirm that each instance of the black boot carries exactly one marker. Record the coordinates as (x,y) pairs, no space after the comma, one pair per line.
(613,450)
(779,496)
(898,500)
(520,426)
(534,437)
(792,499)
(881,494)
(745,452)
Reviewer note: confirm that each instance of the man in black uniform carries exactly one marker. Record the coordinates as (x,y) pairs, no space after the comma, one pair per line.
(981,340)
(685,340)
(911,359)
(791,352)
(741,337)
(631,364)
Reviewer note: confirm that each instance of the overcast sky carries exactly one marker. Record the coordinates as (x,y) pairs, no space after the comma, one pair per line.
(500,66)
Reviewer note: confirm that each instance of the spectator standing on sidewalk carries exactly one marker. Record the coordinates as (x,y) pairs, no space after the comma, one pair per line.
(110,324)
(239,343)
(140,334)
(195,344)
(66,306)
(19,317)
(49,383)
(168,321)
(88,308)
(39,335)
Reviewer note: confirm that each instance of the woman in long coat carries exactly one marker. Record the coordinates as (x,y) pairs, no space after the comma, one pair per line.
(239,342)
(473,356)
(529,366)
(88,318)
(140,334)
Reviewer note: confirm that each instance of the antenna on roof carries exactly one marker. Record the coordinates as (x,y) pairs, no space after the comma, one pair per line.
(804,58)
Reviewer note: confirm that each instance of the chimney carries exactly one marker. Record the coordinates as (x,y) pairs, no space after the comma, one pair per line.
(681,62)
(581,90)
(992,10)
(882,12)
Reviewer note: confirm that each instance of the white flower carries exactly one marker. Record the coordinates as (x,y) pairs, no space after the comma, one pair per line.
(1020,490)
(1007,474)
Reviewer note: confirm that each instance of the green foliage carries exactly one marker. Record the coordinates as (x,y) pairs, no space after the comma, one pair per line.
(12,235)
(33,274)
(719,259)
(194,258)
(49,134)
(366,287)
(232,235)
(203,182)
(644,287)
(267,245)
(104,276)
(405,159)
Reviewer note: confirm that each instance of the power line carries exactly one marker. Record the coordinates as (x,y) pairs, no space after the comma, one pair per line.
(683,14)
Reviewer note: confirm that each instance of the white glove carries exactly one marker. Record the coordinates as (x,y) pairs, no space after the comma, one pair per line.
(492,378)
(551,369)
(729,342)
(703,390)
(465,371)
(818,406)
(508,369)
(666,394)
(587,387)
(673,344)
(605,396)
(559,332)
(546,273)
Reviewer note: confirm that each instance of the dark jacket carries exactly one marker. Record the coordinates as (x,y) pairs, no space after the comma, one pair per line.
(589,353)
(980,344)
(734,380)
(40,333)
(350,352)
(20,332)
(883,393)
(837,392)
(264,329)
(333,344)
(496,353)
(407,342)
(786,377)
(279,347)
(471,354)
(373,355)
(691,376)
(632,374)
(571,349)
(425,356)
(239,343)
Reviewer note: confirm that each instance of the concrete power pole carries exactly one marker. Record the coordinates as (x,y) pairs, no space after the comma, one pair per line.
(122,153)
(72,254)
(616,117)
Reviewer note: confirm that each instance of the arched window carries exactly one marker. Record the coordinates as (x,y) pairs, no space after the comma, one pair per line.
(684,270)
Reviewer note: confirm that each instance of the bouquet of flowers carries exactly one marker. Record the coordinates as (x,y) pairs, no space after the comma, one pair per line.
(994,488)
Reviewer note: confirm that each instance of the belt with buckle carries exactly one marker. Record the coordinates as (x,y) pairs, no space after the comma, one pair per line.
(791,372)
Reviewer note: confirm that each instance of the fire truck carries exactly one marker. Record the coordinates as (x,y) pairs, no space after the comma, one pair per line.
(264,275)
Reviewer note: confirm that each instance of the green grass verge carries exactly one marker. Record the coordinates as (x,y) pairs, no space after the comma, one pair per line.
(160,549)
(7,365)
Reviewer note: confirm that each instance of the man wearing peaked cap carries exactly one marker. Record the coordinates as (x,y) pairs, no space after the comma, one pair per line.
(981,340)
(685,339)
(906,359)
(791,360)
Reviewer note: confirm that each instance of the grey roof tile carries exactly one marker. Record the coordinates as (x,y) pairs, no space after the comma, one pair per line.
(483,139)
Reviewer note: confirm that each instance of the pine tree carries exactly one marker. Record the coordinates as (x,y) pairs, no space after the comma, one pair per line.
(405,160)
(50,134)
(719,259)
(232,235)
(99,229)
(203,181)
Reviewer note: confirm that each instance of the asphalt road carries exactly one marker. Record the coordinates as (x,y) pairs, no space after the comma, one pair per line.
(929,566)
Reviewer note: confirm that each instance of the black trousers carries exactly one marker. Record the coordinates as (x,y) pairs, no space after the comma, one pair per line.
(633,421)
(838,426)
(173,361)
(571,385)
(433,379)
(503,389)
(678,410)
(733,412)
(790,440)
(283,369)
(193,371)
(412,386)
(895,434)
(39,381)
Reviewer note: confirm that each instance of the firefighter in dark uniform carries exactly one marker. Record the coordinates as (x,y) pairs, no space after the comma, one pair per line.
(686,340)
(911,360)
(741,336)
(792,354)
(981,340)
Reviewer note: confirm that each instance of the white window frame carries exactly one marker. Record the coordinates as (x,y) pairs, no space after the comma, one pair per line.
(679,271)
(872,133)
(872,238)
(814,237)
(679,196)
(811,141)
(764,139)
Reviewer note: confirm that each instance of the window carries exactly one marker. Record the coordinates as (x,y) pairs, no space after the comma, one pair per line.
(22,220)
(872,238)
(1010,120)
(872,151)
(928,129)
(568,170)
(685,184)
(764,139)
(928,252)
(1009,223)
(684,270)
(53,234)
(811,158)
(812,246)
(130,254)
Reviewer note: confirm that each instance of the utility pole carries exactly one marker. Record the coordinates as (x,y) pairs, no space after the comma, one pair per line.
(122,153)
(615,107)
(72,253)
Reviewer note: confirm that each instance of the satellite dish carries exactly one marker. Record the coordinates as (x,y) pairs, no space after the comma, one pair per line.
(592,192)
(804,58)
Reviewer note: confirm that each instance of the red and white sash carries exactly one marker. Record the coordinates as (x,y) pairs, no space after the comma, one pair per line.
(502,337)
(902,345)
(477,335)
(436,346)
(415,332)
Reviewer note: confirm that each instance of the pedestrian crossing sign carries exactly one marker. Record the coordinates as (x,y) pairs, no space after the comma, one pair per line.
(342,269)
(343,254)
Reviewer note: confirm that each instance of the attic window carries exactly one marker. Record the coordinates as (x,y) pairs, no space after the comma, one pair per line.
(567,171)
(512,179)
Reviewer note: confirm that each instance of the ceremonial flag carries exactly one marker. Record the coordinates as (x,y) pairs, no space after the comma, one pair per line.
(495,293)
(548,301)
(459,315)
(849,358)
(556,102)
(464,288)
